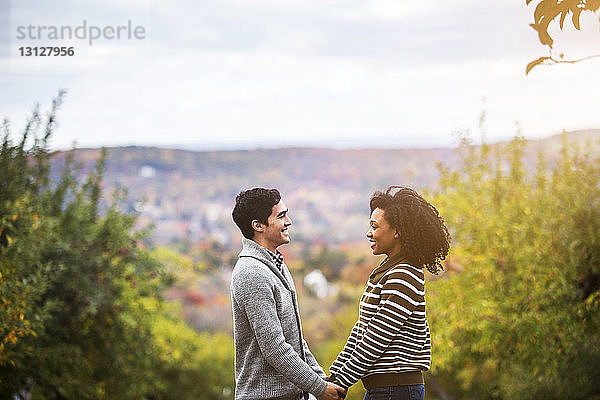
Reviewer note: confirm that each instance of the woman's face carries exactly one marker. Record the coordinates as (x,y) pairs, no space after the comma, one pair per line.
(382,236)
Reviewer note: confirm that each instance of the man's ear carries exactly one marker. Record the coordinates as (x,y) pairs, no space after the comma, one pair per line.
(257,226)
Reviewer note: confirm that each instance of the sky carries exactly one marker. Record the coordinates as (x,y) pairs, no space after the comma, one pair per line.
(241,74)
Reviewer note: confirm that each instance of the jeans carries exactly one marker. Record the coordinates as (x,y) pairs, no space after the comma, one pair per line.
(414,392)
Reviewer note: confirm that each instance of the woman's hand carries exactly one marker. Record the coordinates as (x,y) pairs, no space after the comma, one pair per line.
(333,392)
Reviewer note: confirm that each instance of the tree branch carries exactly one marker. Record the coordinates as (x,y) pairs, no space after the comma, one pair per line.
(551,60)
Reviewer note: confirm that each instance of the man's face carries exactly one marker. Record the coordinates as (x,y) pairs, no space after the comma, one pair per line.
(276,232)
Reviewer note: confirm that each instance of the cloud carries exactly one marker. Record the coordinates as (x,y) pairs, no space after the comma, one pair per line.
(233,72)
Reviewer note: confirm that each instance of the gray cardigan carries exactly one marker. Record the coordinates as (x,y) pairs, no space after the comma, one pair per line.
(272,361)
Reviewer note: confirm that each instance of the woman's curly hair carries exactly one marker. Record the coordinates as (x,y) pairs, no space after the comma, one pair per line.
(424,237)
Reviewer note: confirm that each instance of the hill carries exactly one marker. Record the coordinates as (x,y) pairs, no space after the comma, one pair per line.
(188,195)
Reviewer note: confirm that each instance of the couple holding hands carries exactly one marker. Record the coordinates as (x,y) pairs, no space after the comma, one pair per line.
(389,346)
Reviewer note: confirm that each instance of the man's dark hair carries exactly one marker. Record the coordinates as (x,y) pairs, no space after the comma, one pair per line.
(424,237)
(254,204)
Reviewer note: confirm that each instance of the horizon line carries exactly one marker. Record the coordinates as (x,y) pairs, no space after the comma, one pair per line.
(311,145)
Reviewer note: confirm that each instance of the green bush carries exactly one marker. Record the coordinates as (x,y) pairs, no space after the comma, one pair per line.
(522,320)
(82,314)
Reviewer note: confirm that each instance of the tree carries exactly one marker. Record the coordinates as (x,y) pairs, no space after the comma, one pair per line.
(546,12)
(523,318)
(82,314)
(74,281)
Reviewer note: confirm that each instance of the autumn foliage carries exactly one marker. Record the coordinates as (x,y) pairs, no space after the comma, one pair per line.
(548,12)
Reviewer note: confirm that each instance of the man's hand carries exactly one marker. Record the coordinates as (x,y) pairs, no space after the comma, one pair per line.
(331,392)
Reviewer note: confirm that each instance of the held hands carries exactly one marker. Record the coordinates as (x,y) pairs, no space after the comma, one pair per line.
(333,392)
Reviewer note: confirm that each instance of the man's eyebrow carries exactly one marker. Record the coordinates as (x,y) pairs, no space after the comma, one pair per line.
(282,213)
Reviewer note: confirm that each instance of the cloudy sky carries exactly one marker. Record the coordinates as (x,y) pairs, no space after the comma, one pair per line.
(266,73)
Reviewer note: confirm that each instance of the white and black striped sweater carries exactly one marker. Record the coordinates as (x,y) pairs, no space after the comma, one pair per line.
(391,334)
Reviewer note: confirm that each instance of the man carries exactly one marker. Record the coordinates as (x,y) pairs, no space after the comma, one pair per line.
(272,360)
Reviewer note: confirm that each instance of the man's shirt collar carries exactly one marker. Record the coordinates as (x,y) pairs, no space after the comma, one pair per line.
(277,258)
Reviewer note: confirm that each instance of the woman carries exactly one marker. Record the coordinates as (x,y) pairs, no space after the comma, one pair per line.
(389,346)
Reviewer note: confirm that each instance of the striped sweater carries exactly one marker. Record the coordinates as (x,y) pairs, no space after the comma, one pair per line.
(391,334)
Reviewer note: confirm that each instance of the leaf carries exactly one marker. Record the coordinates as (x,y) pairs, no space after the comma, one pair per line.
(534,63)
(548,10)
(562,18)
(592,5)
(540,11)
(576,15)
(542,31)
